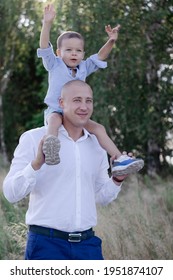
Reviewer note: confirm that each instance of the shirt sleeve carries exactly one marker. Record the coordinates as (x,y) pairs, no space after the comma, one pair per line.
(105,189)
(48,57)
(93,64)
(21,178)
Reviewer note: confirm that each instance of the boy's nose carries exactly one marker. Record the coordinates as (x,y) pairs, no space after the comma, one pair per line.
(74,52)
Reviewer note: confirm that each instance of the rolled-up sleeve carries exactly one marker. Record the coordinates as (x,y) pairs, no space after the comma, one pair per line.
(48,57)
(99,63)
(93,64)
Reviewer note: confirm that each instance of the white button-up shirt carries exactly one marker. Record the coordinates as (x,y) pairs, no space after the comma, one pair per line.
(62,196)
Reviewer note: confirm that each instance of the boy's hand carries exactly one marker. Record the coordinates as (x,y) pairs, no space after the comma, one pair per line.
(112,32)
(49,13)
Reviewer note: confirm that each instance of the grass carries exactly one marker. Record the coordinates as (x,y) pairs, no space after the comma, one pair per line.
(12,230)
(138,225)
(12,226)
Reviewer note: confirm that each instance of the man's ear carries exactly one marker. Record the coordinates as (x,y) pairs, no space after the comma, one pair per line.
(58,52)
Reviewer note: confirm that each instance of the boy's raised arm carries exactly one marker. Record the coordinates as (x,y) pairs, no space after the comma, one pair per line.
(107,48)
(48,17)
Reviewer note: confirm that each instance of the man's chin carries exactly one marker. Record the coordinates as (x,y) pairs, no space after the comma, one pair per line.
(81,123)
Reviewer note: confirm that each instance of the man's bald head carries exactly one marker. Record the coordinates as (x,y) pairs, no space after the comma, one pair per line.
(72,85)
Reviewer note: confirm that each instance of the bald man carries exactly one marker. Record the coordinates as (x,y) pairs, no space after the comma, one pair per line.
(62,198)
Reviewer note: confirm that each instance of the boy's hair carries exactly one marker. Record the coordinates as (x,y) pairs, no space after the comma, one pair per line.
(68,35)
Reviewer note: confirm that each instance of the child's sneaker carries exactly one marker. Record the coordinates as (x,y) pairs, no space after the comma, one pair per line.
(125,165)
(51,147)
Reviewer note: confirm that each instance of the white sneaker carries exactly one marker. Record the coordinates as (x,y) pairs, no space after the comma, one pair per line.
(51,147)
(125,165)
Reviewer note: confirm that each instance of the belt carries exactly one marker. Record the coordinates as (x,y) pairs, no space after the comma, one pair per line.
(69,236)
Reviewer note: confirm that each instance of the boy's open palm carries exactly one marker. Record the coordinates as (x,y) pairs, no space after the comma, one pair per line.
(112,32)
(49,13)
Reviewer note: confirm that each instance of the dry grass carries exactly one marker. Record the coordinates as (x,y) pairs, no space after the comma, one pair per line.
(3,172)
(138,225)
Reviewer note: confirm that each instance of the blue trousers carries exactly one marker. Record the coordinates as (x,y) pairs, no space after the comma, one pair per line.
(41,247)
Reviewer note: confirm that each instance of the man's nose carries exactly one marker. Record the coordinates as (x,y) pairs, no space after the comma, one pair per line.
(83,106)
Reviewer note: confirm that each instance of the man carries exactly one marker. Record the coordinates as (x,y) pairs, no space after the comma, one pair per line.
(63,197)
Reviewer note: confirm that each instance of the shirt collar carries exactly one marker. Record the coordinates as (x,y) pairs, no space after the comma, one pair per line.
(77,67)
(83,137)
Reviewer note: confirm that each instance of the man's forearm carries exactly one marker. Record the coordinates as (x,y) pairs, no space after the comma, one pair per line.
(19,184)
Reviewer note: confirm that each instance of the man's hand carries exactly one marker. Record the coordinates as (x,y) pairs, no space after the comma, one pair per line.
(112,32)
(49,13)
(40,159)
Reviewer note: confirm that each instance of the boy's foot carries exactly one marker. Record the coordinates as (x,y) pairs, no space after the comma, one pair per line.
(125,165)
(51,147)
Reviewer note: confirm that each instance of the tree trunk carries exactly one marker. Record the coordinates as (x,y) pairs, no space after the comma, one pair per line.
(3,153)
(154,149)
(153,159)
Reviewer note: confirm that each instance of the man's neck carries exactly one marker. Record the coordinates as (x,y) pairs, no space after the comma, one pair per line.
(74,132)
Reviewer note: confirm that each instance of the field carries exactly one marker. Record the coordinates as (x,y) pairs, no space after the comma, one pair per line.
(138,225)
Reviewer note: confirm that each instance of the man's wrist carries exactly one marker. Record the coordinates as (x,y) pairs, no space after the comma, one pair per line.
(36,166)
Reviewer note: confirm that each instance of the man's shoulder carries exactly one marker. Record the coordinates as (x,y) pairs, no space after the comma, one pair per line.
(95,143)
(93,138)
(35,132)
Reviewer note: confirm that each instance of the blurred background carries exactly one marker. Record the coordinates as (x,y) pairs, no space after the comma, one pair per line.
(133,99)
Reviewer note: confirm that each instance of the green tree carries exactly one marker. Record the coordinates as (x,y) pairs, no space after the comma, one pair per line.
(20,82)
(133,98)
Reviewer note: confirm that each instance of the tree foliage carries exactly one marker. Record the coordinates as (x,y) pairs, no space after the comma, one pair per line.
(20,82)
(133,96)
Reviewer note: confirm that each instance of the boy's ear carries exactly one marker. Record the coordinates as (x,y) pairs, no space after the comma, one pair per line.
(61,102)
(58,52)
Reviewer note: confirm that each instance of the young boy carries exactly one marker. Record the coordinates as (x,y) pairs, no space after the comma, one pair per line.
(66,66)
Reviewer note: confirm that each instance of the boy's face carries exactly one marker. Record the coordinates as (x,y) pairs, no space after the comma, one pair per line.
(71,51)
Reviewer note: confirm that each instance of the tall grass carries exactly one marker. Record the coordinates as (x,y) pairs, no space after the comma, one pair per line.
(138,225)
(12,226)
(12,231)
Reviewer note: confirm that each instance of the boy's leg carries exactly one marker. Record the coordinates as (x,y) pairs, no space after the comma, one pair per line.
(104,140)
(123,164)
(51,144)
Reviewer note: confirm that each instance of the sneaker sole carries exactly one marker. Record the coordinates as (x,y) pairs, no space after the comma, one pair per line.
(51,149)
(129,169)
